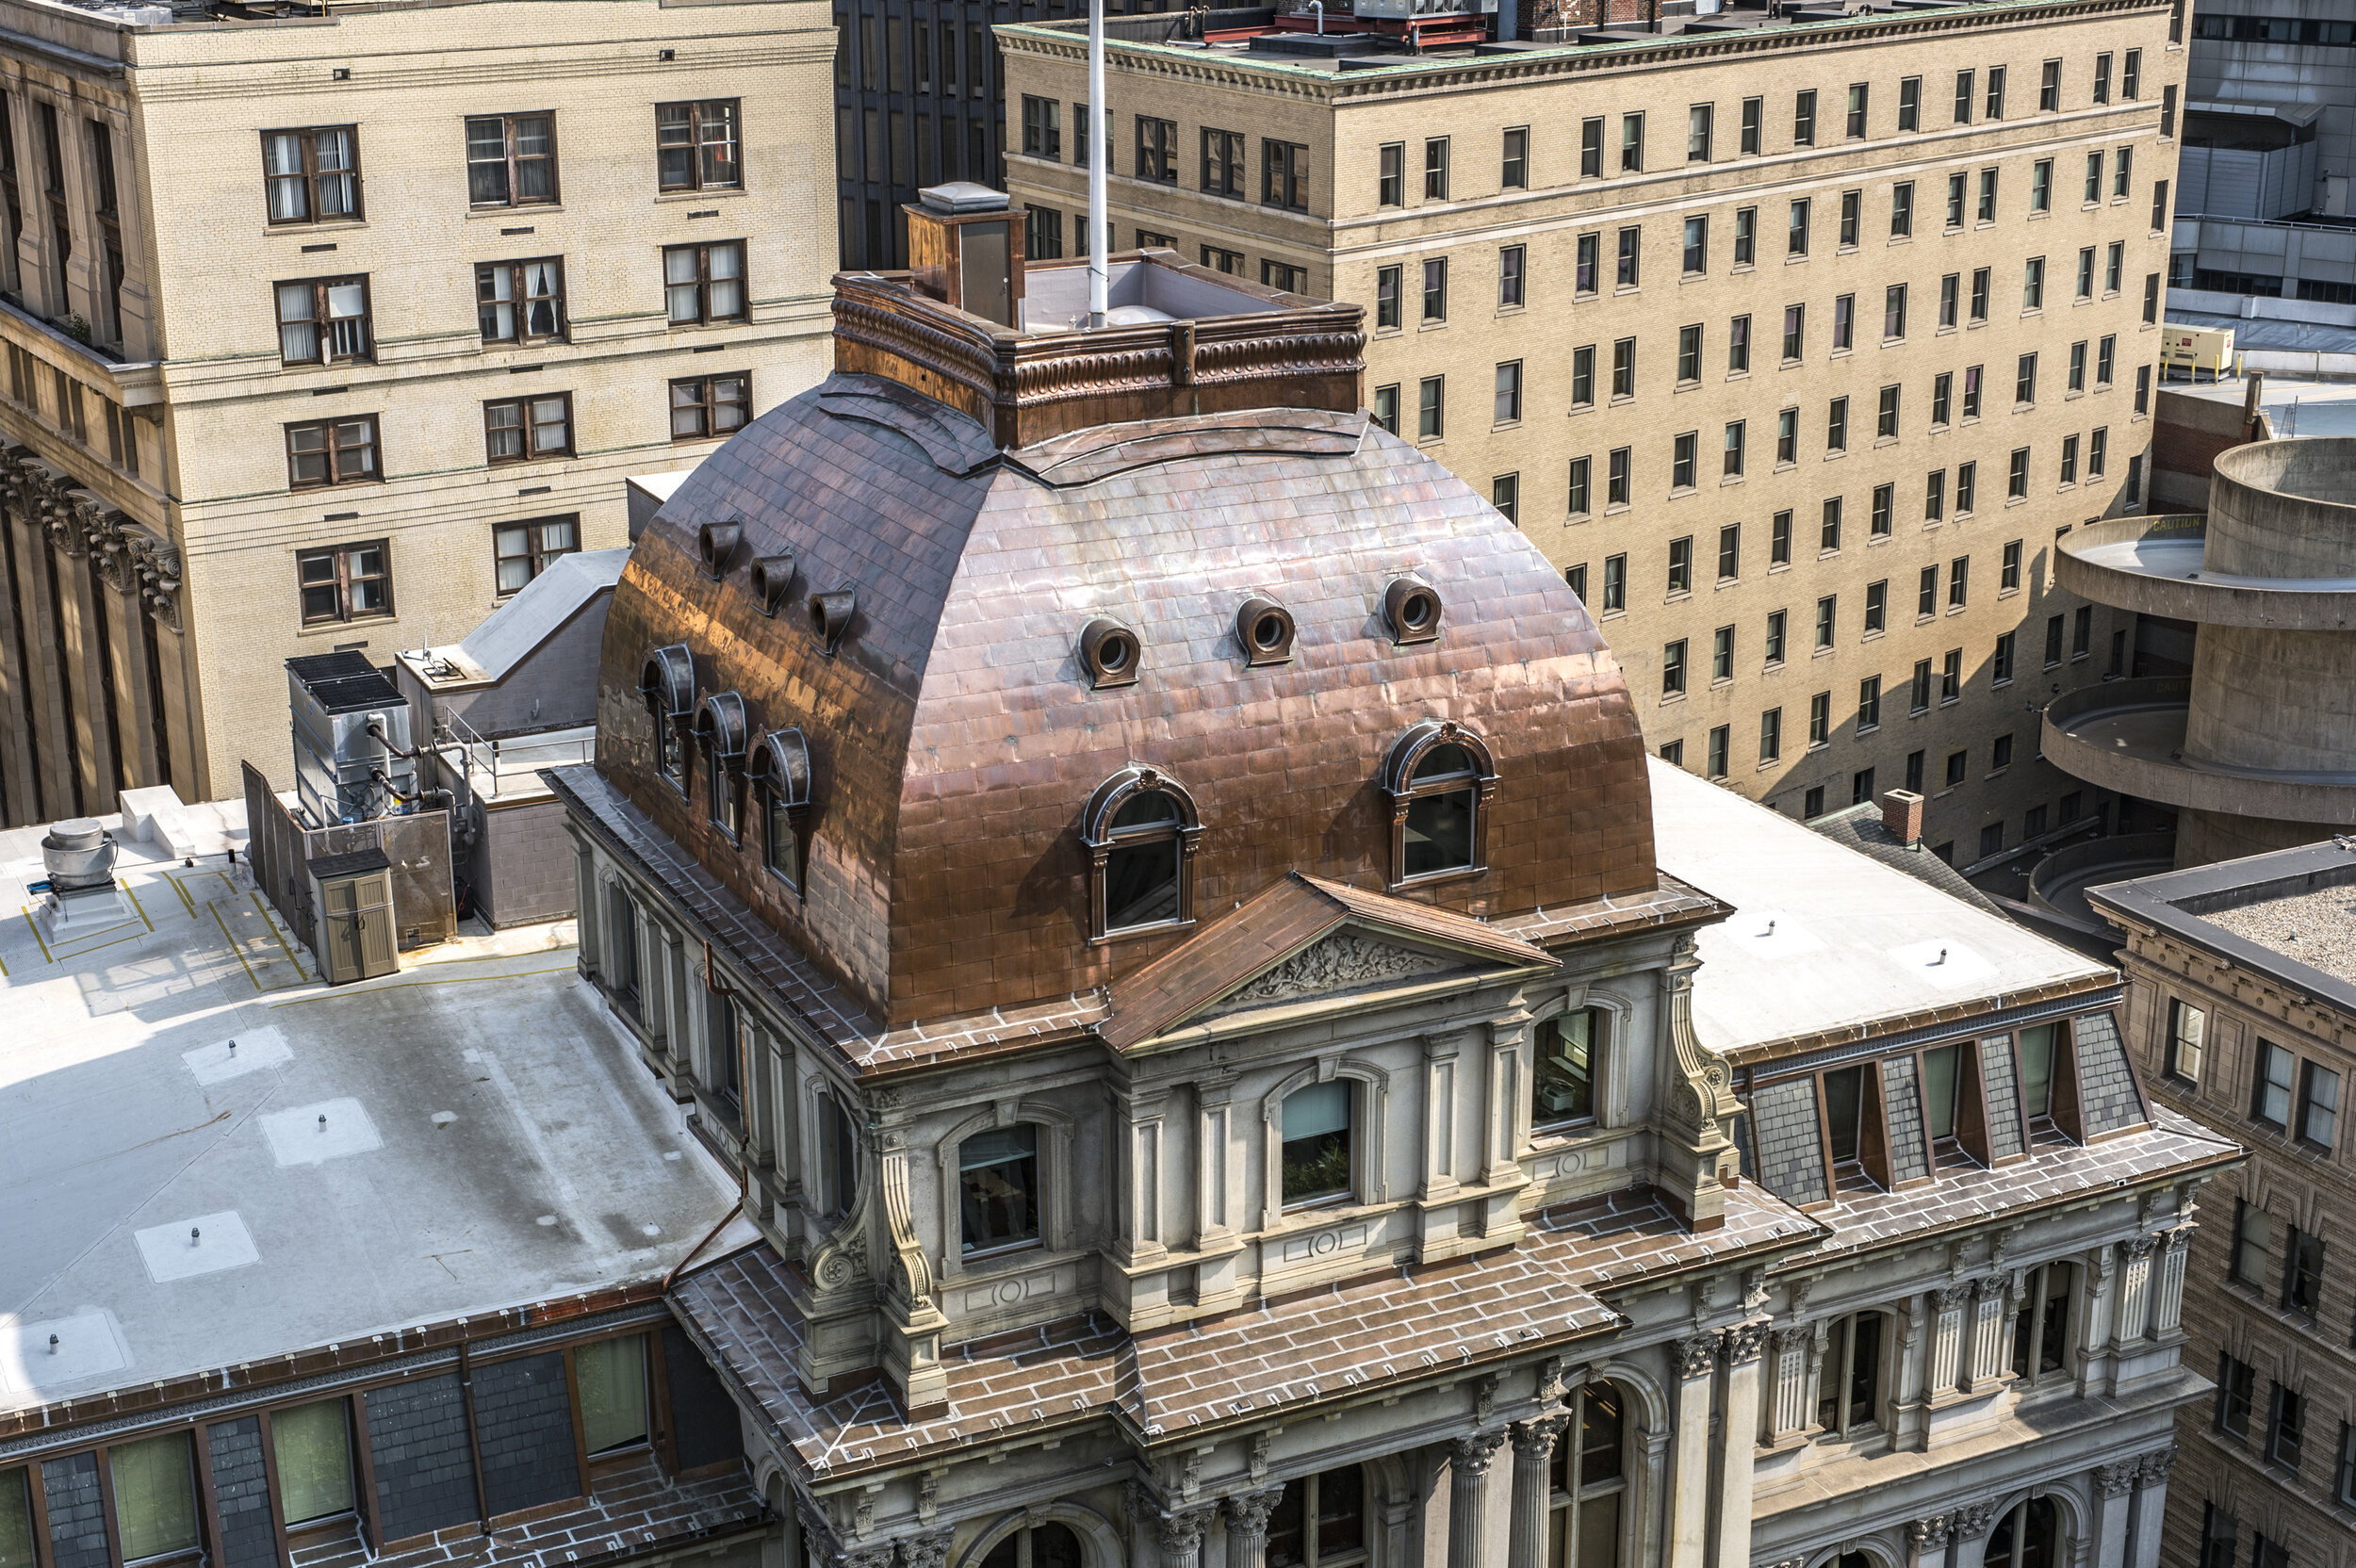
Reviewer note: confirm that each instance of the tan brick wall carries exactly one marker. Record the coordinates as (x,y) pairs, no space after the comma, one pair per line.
(1347,238)
(214,471)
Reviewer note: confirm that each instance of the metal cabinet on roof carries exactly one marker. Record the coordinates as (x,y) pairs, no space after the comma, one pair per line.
(353,934)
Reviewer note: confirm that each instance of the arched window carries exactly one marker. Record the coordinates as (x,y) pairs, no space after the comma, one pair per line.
(1317,1157)
(1139,829)
(1320,1521)
(1849,1389)
(1589,1474)
(1563,1086)
(780,774)
(998,1188)
(668,685)
(1046,1545)
(720,735)
(2025,1537)
(1440,780)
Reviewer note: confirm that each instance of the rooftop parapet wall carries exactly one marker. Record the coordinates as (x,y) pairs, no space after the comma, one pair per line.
(2285,509)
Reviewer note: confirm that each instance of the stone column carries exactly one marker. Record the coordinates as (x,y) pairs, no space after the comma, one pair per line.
(2151,1505)
(1246,1527)
(2112,1485)
(1141,1173)
(590,891)
(2101,1298)
(1927,1540)
(1689,1498)
(1948,1358)
(1986,1351)
(1467,1495)
(1787,1414)
(2134,1292)
(1534,1448)
(1739,1441)
(2167,1314)
(1441,1059)
(1182,1537)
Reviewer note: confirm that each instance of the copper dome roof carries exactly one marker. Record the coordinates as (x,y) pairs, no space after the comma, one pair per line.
(954,737)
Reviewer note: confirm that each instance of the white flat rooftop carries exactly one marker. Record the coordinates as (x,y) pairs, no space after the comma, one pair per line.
(468,1135)
(1823,937)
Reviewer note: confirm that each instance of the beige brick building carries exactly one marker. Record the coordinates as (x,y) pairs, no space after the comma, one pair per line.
(2241,1011)
(330,329)
(1738,325)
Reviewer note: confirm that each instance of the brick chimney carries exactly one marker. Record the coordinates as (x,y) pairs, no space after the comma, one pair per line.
(1902,817)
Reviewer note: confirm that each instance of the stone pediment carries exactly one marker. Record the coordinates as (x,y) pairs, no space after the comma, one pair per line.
(1349,960)
(1301,940)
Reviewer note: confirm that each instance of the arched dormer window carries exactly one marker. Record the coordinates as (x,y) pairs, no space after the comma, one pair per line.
(1440,780)
(668,686)
(780,774)
(720,736)
(1140,830)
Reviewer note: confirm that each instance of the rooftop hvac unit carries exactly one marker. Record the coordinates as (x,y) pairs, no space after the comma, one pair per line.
(354,762)
(1403,11)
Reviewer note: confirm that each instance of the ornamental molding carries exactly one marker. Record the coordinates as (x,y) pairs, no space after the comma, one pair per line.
(132,557)
(1470,1455)
(1697,1355)
(1342,961)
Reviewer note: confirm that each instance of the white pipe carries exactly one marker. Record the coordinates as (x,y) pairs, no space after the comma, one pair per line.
(1318,7)
(1100,279)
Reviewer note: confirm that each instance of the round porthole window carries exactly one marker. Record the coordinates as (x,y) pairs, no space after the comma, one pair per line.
(1265,628)
(1412,608)
(1110,653)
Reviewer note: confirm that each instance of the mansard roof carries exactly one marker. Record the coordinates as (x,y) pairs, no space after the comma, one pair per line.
(954,737)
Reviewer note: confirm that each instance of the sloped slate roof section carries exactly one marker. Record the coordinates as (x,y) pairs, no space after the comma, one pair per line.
(2107,1096)
(1285,923)
(954,736)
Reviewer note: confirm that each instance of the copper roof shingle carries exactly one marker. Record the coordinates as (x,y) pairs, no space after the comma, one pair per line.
(955,740)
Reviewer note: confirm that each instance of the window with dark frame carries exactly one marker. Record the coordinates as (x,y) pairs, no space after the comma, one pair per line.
(1284,175)
(345,583)
(522,551)
(510,159)
(703,407)
(520,301)
(1158,149)
(324,322)
(704,282)
(699,146)
(525,429)
(310,176)
(1222,166)
(323,452)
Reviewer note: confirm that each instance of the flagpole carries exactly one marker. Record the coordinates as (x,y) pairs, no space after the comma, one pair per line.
(1099,238)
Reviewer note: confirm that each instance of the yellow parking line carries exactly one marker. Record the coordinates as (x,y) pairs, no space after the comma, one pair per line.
(187,902)
(32,926)
(276,935)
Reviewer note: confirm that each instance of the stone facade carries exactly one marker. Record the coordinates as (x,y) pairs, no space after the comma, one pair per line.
(154,528)
(2241,1012)
(1498,225)
(1355,1219)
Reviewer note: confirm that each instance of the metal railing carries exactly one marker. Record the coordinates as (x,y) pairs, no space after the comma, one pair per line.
(492,767)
